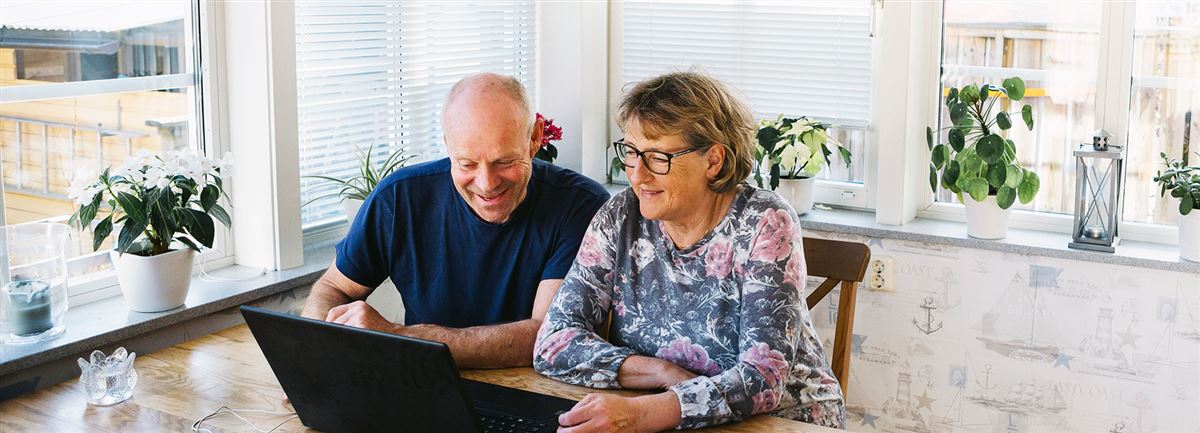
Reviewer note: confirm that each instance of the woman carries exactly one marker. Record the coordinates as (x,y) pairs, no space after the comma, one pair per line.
(702,274)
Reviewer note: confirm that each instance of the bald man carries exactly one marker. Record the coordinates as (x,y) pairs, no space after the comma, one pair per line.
(476,243)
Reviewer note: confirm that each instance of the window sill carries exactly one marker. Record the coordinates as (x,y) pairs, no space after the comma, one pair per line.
(1019,241)
(109,321)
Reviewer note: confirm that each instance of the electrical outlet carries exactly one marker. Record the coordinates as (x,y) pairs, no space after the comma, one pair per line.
(879,274)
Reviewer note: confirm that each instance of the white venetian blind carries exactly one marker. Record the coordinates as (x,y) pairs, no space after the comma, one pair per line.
(798,58)
(376,73)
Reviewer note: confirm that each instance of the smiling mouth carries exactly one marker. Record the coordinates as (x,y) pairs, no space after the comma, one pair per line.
(491,199)
(649,194)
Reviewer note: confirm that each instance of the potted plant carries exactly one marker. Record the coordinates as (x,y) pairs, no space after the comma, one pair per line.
(1183,181)
(977,162)
(354,190)
(550,134)
(794,149)
(165,209)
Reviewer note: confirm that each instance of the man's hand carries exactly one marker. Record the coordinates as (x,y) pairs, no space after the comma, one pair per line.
(361,315)
(611,413)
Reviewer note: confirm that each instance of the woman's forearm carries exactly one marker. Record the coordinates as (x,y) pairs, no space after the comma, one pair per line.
(659,411)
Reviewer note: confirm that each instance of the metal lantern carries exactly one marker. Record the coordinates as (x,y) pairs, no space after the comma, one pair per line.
(1099,170)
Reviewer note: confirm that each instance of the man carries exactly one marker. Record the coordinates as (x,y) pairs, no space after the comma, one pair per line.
(476,243)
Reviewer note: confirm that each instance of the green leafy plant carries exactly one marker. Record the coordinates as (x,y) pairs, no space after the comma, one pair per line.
(1182,180)
(369,175)
(154,200)
(615,165)
(975,159)
(793,147)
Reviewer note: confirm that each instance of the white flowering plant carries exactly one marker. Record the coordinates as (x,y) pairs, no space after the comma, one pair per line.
(156,200)
(793,147)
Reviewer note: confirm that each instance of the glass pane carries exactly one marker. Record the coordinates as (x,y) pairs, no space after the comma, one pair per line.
(59,42)
(855,140)
(1166,92)
(1055,52)
(45,143)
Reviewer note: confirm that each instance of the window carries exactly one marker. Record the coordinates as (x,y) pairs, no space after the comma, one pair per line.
(813,60)
(1080,60)
(84,86)
(1055,52)
(375,74)
(1165,100)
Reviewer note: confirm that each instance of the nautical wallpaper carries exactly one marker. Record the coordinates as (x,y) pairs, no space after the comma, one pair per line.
(985,341)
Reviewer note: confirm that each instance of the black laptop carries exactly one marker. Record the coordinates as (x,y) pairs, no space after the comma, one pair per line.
(345,379)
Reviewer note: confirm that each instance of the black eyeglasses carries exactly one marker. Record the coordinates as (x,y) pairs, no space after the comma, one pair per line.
(655,161)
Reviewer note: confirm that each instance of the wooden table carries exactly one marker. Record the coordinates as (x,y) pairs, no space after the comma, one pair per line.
(183,383)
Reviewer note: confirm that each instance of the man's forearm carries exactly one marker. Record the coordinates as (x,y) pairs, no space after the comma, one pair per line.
(322,298)
(493,346)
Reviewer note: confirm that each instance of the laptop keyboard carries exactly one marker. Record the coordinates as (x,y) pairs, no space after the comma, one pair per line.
(508,424)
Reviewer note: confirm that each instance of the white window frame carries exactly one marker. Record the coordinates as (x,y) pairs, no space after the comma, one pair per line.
(837,193)
(208,97)
(1114,78)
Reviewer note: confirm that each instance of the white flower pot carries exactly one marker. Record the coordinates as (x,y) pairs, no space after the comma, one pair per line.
(1189,236)
(350,206)
(801,193)
(985,219)
(155,283)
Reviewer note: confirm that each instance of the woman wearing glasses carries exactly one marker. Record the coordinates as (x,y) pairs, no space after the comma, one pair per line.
(700,273)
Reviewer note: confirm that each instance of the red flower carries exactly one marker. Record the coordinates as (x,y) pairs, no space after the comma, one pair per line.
(550,132)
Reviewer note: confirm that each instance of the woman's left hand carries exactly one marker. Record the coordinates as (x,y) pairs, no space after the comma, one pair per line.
(611,413)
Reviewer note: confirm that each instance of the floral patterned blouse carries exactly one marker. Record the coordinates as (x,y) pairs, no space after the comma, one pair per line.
(729,308)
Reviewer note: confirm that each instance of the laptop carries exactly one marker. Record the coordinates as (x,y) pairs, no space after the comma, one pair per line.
(346,379)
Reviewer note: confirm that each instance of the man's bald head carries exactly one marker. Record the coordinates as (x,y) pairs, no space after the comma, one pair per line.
(487,91)
(491,135)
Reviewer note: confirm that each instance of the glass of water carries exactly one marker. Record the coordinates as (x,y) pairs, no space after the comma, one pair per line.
(33,281)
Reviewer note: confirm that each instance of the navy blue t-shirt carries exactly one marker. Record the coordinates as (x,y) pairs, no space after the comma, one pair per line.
(451,267)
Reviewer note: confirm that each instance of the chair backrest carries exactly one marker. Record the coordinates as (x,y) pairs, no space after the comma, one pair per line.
(843,263)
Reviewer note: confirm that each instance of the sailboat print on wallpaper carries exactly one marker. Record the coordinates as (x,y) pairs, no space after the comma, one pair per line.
(1187,321)
(1018,323)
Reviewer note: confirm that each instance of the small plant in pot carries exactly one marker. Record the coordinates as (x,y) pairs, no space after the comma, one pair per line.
(794,150)
(976,162)
(354,191)
(164,208)
(1183,182)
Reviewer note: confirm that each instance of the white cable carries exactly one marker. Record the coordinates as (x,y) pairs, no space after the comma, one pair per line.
(226,410)
(205,276)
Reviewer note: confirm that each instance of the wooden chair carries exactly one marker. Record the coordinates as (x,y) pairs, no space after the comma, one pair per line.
(844,263)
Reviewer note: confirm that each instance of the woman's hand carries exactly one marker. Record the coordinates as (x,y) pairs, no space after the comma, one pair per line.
(611,413)
(672,374)
(645,372)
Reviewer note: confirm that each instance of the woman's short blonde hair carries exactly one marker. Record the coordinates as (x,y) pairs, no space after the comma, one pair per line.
(701,110)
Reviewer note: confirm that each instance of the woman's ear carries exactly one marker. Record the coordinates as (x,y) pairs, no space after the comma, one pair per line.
(716,159)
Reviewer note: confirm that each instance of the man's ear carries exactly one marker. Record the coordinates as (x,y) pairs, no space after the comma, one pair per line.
(535,137)
(716,159)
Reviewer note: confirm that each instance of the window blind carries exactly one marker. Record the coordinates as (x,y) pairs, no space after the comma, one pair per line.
(808,58)
(375,73)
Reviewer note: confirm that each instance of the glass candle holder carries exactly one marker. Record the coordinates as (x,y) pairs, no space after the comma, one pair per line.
(33,281)
(108,380)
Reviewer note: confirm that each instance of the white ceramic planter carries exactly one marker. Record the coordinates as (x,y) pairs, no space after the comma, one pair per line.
(1189,236)
(985,219)
(350,206)
(801,193)
(155,283)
